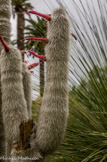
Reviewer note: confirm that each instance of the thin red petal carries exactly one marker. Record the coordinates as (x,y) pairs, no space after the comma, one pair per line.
(38,56)
(33,65)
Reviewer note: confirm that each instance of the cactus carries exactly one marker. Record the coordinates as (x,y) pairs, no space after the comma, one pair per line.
(54,110)
(5,14)
(16,89)
(5,29)
(14,107)
(27,88)
(49,132)
(11,128)
(2,135)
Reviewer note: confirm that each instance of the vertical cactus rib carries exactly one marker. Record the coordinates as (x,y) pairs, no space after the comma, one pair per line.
(54,109)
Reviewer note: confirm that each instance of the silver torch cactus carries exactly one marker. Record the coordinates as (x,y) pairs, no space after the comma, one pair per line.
(15,95)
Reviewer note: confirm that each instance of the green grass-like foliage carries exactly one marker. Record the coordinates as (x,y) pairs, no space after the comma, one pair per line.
(86,137)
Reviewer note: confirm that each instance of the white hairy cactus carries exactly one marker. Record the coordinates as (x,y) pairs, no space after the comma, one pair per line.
(2,135)
(5,14)
(54,110)
(16,86)
(14,107)
(5,29)
(27,85)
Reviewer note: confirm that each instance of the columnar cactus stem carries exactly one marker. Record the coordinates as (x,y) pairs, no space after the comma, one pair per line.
(12,99)
(54,110)
(5,29)
(2,135)
(14,107)
(27,88)
(5,14)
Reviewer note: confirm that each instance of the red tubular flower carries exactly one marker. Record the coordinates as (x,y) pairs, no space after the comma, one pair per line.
(6,48)
(38,56)
(47,17)
(31,66)
(45,40)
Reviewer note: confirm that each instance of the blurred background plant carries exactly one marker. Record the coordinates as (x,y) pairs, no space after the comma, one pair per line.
(37,29)
(86,134)
(18,8)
